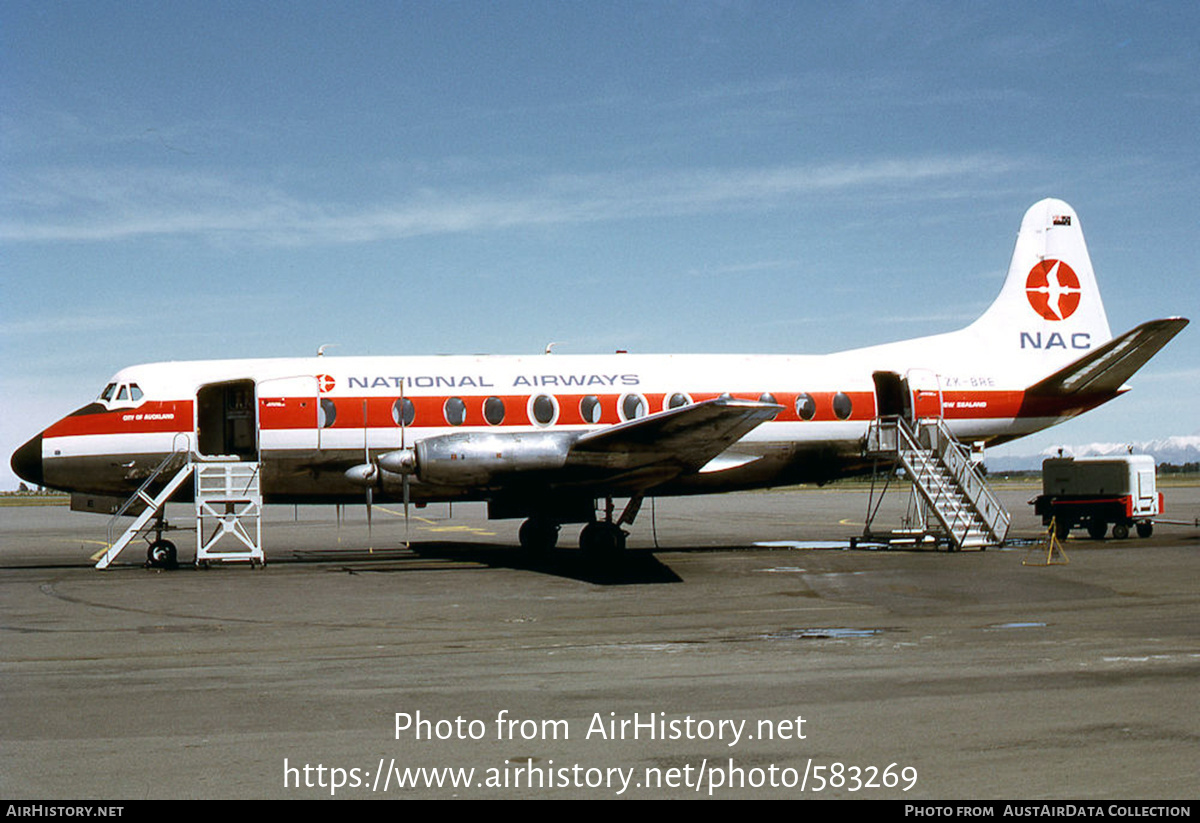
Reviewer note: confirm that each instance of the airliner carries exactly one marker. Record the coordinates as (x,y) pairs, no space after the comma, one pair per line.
(552,438)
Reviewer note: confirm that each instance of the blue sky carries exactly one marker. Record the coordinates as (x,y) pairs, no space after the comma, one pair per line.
(216,179)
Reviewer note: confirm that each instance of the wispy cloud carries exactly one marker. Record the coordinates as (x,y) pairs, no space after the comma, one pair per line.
(1173,376)
(54,325)
(99,205)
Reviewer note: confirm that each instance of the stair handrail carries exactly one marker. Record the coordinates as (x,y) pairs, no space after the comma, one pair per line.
(957,459)
(176,450)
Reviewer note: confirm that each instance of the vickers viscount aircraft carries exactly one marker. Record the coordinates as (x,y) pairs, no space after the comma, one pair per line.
(548,437)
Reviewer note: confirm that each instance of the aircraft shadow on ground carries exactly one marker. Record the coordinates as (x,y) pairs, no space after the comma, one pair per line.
(634,566)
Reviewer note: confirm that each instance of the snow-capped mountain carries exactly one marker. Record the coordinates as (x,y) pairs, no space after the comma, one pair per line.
(1178,450)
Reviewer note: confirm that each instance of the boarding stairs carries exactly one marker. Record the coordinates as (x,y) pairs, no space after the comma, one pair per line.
(228,503)
(152,506)
(965,512)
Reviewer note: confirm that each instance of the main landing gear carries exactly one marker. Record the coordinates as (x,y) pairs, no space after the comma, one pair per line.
(599,540)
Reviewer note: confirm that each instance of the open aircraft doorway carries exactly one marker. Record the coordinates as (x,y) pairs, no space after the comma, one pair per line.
(226,423)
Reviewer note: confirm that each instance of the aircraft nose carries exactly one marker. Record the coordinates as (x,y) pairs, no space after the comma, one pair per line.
(27,461)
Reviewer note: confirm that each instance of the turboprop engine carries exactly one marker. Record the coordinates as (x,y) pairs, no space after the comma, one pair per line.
(478,458)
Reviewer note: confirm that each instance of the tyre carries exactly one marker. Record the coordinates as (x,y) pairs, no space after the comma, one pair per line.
(162,555)
(538,536)
(602,540)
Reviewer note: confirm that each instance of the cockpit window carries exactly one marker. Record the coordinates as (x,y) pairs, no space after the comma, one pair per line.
(122,393)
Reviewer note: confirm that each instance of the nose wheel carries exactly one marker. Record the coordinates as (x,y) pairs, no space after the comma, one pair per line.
(161,554)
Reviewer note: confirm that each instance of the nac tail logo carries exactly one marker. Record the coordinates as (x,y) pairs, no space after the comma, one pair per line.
(1052,289)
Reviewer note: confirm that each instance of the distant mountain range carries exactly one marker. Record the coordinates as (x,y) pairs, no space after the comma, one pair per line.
(1178,450)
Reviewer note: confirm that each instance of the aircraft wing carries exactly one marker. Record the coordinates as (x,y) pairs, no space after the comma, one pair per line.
(1108,367)
(684,439)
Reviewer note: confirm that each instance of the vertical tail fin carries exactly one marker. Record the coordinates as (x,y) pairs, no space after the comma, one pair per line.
(1049,311)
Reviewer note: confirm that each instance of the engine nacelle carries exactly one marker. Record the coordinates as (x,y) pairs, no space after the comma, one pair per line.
(477,458)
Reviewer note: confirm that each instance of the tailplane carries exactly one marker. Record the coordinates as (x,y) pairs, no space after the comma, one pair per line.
(1105,370)
(1049,312)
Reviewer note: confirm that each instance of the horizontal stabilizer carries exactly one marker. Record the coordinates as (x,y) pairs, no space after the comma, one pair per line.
(1107,368)
(687,437)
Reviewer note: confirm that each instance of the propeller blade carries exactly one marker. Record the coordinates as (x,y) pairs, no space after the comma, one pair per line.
(404,483)
(404,480)
(370,498)
(374,475)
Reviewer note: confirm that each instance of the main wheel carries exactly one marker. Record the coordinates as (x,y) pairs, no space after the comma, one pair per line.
(601,540)
(1145,529)
(538,536)
(162,555)
(1120,531)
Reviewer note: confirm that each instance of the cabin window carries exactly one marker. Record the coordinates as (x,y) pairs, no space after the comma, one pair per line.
(543,409)
(493,411)
(135,393)
(633,406)
(842,406)
(455,411)
(123,393)
(403,412)
(678,399)
(589,409)
(107,394)
(806,407)
(326,413)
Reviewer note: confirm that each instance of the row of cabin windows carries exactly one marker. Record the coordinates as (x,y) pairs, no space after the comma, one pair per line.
(543,408)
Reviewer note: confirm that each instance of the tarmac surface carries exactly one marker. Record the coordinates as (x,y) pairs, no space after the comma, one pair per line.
(682,671)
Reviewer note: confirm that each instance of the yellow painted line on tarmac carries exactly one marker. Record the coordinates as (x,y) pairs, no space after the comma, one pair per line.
(401,514)
(98,554)
(431,525)
(460,529)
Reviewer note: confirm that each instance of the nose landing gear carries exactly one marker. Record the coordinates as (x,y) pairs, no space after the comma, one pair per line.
(161,554)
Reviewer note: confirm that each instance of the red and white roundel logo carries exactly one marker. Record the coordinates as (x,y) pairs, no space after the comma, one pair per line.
(1053,289)
(325,383)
